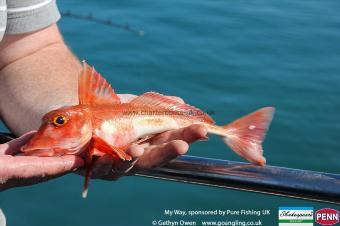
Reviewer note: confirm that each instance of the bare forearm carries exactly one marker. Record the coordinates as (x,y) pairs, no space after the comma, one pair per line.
(34,84)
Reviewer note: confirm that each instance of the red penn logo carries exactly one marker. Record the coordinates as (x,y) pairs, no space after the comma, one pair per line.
(327,216)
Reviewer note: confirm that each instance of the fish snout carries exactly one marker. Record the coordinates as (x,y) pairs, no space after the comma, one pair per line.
(30,150)
(39,147)
(45,150)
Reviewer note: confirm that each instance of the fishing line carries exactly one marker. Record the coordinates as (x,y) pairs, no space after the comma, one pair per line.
(106,22)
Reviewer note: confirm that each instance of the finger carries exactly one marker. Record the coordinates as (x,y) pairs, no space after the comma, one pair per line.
(13,147)
(30,167)
(125,98)
(121,168)
(161,154)
(107,165)
(135,151)
(188,134)
(102,166)
(108,169)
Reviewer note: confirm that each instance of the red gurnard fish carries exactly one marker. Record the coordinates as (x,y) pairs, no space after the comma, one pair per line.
(101,124)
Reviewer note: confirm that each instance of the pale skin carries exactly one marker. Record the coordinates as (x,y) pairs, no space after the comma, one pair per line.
(38,73)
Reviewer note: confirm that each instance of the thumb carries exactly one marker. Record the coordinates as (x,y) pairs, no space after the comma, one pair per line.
(26,170)
(32,167)
(51,166)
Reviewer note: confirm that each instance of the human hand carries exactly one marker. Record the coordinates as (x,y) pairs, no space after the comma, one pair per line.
(154,152)
(26,170)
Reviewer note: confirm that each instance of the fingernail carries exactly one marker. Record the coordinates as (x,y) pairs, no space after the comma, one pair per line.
(204,138)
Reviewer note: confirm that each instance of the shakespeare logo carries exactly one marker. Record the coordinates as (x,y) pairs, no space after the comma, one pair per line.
(296,216)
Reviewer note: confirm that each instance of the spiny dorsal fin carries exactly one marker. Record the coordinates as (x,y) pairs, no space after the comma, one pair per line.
(93,89)
(162,102)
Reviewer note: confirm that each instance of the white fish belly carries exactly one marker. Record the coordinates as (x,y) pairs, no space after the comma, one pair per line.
(124,131)
(116,132)
(146,126)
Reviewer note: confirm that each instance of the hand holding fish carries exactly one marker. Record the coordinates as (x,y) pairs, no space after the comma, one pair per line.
(155,152)
(26,170)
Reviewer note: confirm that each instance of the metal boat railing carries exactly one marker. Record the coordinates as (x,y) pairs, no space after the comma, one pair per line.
(295,183)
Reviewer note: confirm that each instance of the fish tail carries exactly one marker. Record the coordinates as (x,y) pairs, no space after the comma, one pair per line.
(245,135)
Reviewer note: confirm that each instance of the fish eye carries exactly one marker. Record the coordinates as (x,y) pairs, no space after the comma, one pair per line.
(59,120)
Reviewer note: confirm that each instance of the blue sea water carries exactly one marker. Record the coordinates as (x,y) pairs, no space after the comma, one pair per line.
(225,57)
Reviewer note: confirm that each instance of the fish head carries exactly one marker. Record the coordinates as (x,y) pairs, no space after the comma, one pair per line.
(63,131)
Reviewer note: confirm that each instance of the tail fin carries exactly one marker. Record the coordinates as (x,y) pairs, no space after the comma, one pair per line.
(245,135)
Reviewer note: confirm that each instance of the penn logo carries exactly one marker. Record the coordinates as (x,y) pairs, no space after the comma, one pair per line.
(327,216)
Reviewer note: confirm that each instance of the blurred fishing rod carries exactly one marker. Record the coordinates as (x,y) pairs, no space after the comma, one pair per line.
(106,22)
(293,183)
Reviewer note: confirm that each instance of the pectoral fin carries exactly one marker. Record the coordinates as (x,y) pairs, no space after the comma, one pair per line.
(98,145)
(102,146)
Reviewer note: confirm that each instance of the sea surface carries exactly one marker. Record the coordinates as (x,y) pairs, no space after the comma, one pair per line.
(226,57)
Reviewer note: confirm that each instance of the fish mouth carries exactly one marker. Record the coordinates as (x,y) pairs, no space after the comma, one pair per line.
(41,152)
(50,151)
(43,149)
